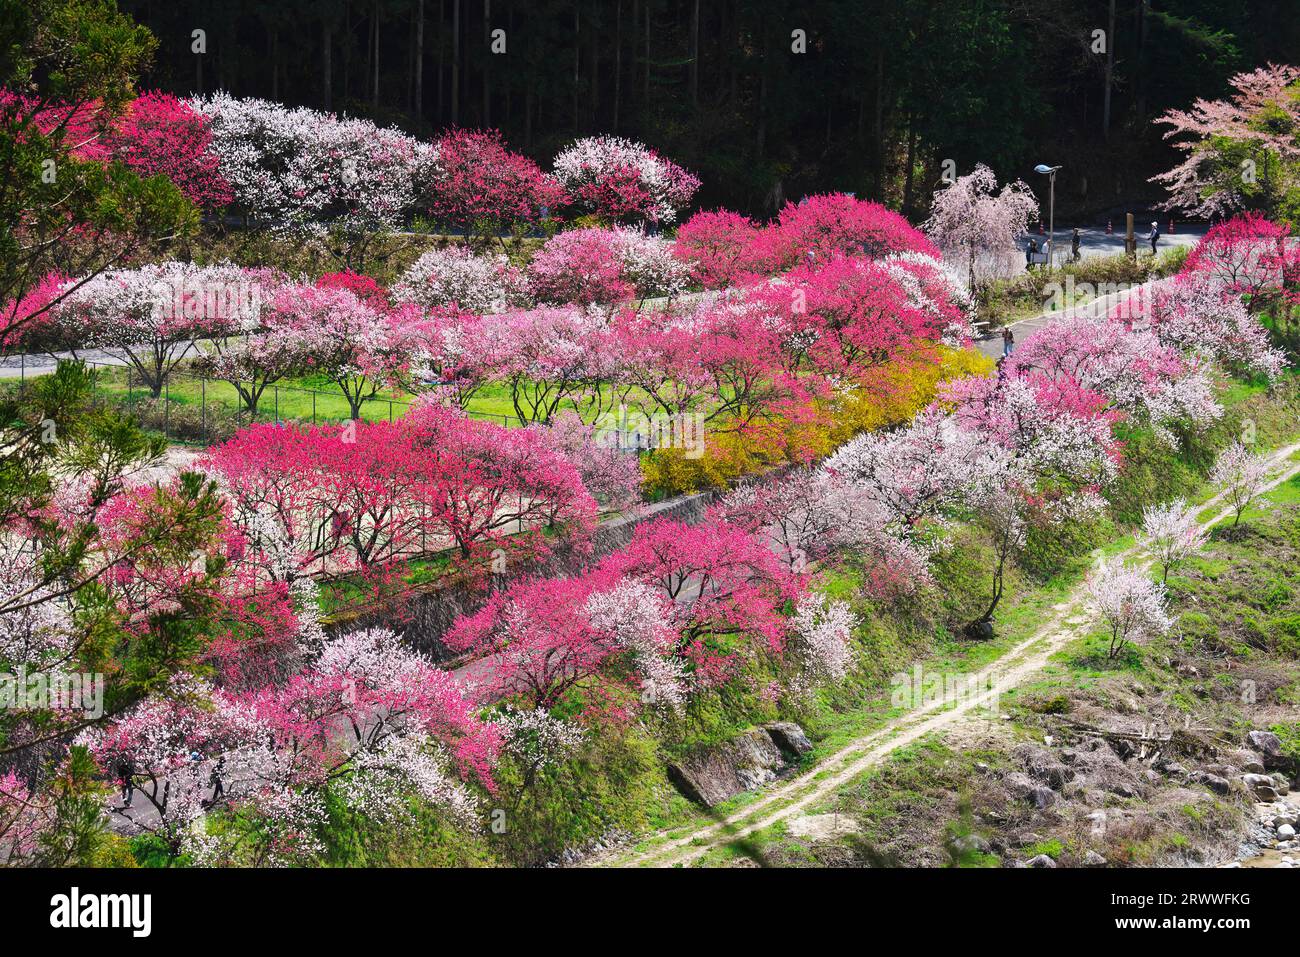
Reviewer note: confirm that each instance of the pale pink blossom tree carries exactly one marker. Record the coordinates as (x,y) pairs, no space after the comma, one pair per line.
(975,221)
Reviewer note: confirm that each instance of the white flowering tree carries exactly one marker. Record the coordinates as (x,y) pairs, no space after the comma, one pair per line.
(1173,534)
(1130,605)
(1242,475)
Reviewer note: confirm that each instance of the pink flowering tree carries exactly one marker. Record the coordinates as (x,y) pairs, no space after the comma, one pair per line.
(612,475)
(724,583)
(1203,316)
(977,224)
(1242,476)
(479,482)
(623,181)
(364,720)
(544,638)
(455,354)
(360,348)
(480,187)
(553,358)
(594,266)
(1137,373)
(1253,129)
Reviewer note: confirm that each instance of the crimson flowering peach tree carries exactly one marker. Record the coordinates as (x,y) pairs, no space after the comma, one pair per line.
(370,496)
(479,186)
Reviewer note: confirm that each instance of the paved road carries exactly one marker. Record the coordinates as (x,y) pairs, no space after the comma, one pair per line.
(1094,242)
(991,345)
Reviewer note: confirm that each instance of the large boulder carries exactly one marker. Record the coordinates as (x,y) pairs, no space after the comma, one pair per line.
(789,737)
(1269,747)
(1043,765)
(741,764)
(1261,786)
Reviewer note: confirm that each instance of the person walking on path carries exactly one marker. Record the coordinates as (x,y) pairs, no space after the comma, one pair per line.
(1155,235)
(126,775)
(1008,341)
(1075,241)
(217,779)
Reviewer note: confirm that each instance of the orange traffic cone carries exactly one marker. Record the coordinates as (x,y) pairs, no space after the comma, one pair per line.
(1110,228)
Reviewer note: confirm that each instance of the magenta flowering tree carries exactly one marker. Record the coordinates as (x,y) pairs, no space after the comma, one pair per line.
(847,315)
(161,135)
(546,637)
(623,181)
(480,187)
(722,580)
(819,227)
(1245,255)
(718,245)
(480,482)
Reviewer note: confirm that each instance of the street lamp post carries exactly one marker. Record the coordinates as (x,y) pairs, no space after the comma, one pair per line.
(1050,173)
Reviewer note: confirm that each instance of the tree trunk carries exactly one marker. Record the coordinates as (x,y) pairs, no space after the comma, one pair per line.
(1110,71)
(577,52)
(326,99)
(419,59)
(593,72)
(455,62)
(910,176)
(695,55)
(487,63)
(375,90)
(618,60)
